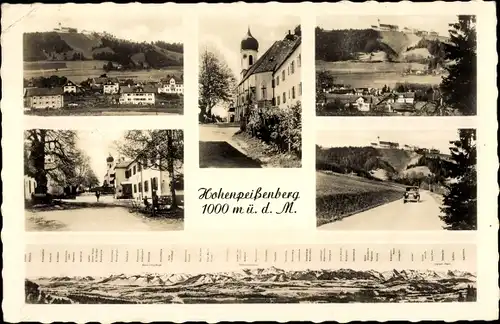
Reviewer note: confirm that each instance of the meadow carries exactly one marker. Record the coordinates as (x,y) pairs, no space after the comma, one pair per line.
(376,75)
(78,71)
(339,195)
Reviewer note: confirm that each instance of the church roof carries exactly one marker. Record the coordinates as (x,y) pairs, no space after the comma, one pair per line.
(249,42)
(274,57)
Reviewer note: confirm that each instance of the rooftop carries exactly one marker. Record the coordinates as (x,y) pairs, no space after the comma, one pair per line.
(30,92)
(137,89)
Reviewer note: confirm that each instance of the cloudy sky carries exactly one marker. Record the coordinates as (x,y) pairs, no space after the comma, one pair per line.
(222,35)
(98,144)
(152,24)
(435,23)
(438,139)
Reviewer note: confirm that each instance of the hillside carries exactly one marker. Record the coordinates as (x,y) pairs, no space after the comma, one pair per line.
(77,46)
(382,163)
(369,44)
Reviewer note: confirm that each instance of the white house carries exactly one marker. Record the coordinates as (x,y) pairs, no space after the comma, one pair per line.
(137,180)
(174,85)
(110,87)
(69,87)
(362,104)
(138,95)
(273,79)
(42,98)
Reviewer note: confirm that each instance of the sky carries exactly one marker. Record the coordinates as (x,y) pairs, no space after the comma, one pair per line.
(435,23)
(98,144)
(222,36)
(438,139)
(152,24)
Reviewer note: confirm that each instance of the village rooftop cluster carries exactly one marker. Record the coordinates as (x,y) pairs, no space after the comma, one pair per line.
(103,91)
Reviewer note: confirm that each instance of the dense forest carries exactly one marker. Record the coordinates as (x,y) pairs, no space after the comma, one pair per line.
(360,160)
(342,45)
(36,44)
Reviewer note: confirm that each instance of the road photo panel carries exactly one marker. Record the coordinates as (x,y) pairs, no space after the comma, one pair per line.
(250,91)
(396,180)
(128,64)
(396,65)
(104,180)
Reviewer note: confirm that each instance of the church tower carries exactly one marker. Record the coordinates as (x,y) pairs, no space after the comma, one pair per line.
(249,50)
(109,161)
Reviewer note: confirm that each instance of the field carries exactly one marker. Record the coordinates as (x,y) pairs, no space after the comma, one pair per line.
(109,111)
(78,71)
(339,196)
(376,75)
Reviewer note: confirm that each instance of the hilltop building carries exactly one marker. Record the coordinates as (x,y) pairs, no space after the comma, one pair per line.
(271,80)
(62,29)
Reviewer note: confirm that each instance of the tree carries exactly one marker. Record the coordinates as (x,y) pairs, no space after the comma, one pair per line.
(216,83)
(160,149)
(50,153)
(459,87)
(460,202)
(83,173)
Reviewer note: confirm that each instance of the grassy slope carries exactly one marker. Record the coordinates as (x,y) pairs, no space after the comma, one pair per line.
(339,196)
(81,43)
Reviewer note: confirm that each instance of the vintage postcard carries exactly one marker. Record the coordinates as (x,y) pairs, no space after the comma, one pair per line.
(131,64)
(249,162)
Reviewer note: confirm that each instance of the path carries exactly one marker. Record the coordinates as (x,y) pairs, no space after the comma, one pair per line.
(218,150)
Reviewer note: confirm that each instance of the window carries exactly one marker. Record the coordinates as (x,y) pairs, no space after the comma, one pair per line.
(139,167)
(154,184)
(299,60)
(146,186)
(300,89)
(292,67)
(140,186)
(284,95)
(293,92)
(264,93)
(278,80)
(278,100)
(250,60)
(135,188)
(283,75)
(134,170)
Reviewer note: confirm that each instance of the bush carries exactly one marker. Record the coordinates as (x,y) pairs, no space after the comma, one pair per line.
(280,127)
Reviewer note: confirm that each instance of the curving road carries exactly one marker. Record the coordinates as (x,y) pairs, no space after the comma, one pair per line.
(396,215)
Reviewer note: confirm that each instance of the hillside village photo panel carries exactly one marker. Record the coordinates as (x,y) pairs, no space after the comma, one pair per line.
(104,180)
(396,65)
(129,65)
(250,91)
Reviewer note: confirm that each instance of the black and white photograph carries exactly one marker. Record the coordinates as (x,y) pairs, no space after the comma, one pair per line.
(258,286)
(396,65)
(250,91)
(126,64)
(396,180)
(104,180)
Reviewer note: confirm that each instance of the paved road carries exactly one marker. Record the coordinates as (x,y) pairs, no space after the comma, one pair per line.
(97,219)
(218,150)
(394,216)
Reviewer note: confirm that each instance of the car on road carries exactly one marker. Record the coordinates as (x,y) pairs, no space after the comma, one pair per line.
(411,194)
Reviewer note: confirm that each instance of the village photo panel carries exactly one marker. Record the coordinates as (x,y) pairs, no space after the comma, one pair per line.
(104,180)
(400,65)
(131,64)
(250,91)
(401,180)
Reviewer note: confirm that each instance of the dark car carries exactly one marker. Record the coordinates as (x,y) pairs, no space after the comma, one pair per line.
(411,194)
